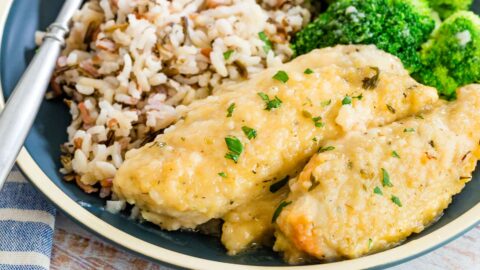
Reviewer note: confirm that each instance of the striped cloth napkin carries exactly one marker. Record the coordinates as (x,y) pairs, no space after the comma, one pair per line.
(26,225)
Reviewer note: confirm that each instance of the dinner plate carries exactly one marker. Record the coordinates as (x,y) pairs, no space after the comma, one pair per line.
(39,160)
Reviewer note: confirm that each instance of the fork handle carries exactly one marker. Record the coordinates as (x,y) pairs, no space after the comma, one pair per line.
(19,113)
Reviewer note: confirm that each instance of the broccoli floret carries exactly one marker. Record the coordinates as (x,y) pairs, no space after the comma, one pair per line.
(451,58)
(445,8)
(396,26)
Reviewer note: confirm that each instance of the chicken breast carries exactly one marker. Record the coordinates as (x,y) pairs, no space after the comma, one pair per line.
(229,148)
(369,191)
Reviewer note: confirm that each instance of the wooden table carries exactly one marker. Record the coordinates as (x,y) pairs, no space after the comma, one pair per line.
(75,248)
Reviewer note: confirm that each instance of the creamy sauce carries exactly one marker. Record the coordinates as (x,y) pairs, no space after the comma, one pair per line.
(374,189)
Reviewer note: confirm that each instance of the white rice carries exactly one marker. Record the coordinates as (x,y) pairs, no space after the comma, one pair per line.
(128,63)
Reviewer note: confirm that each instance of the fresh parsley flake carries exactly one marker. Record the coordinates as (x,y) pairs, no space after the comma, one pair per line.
(347,100)
(378,190)
(222,174)
(318,121)
(391,109)
(227,54)
(249,132)
(308,71)
(278,185)
(267,43)
(370,83)
(281,76)
(370,242)
(230,110)
(395,154)
(270,103)
(264,96)
(396,200)
(386,179)
(326,149)
(235,147)
(279,209)
(315,139)
(409,130)
(326,103)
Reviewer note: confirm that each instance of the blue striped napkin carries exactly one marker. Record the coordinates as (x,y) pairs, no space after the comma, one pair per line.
(26,225)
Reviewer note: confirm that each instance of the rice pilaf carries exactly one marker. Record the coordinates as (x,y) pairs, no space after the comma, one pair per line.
(128,64)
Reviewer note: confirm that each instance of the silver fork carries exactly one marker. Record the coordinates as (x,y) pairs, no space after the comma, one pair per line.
(19,113)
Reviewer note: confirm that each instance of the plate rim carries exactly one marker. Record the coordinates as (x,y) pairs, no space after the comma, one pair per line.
(83,217)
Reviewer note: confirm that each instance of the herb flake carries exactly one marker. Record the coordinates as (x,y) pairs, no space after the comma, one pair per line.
(314,183)
(377,190)
(227,54)
(396,200)
(308,71)
(270,103)
(278,185)
(347,100)
(281,76)
(279,209)
(326,103)
(230,110)
(249,132)
(395,154)
(391,109)
(409,130)
(326,149)
(371,83)
(386,179)
(235,147)
(222,174)
(318,121)
(267,43)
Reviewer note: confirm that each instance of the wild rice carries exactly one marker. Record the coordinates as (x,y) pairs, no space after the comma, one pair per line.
(128,63)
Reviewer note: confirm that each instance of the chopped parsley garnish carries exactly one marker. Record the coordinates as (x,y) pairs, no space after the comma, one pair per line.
(378,190)
(391,109)
(419,116)
(326,149)
(270,103)
(279,209)
(235,147)
(278,185)
(308,71)
(315,139)
(281,76)
(370,242)
(222,174)
(227,54)
(395,154)
(372,82)
(318,121)
(249,132)
(326,103)
(267,43)
(347,100)
(386,179)
(230,110)
(396,200)
(409,130)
